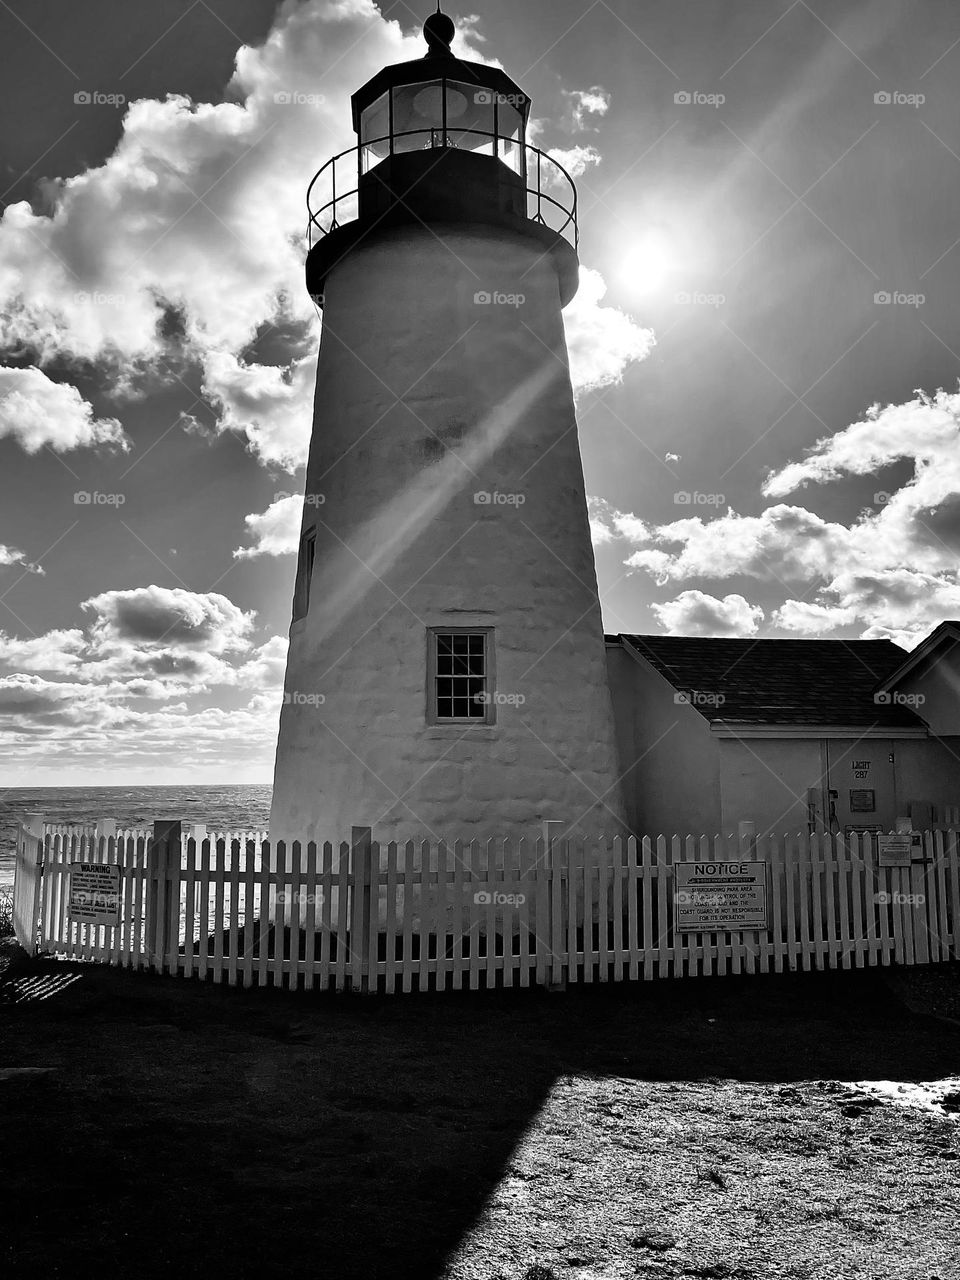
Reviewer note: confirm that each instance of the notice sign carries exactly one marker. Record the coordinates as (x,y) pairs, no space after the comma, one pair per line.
(895,850)
(94,893)
(720,895)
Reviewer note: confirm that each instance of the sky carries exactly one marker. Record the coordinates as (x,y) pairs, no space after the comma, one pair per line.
(763,347)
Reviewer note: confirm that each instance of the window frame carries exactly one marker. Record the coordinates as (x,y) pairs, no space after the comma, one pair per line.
(304,578)
(489,716)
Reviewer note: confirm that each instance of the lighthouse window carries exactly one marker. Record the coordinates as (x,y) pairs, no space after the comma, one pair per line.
(509,126)
(375,132)
(301,593)
(460,676)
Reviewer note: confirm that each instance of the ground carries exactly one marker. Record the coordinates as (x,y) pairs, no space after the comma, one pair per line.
(705,1128)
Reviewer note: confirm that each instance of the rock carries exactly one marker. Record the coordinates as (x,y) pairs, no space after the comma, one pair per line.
(658,1241)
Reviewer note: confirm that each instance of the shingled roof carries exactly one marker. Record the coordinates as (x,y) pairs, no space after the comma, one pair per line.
(818,682)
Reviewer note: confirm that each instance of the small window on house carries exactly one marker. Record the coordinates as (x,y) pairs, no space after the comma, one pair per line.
(460,686)
(301,593)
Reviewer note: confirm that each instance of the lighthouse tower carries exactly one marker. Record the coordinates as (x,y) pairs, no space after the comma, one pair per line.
(446,673)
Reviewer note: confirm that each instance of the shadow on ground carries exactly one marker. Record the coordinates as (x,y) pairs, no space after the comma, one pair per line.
(190,1129)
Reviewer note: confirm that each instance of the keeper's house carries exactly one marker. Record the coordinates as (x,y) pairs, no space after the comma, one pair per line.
(841,735)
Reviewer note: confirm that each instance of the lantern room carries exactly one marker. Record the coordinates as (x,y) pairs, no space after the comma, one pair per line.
(439,102)
(440,140)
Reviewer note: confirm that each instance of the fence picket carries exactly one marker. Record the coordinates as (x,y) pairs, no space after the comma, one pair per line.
(325,965)
(574,878)
(409,897)
(233,939)
(309,898)
(344,886)
(648,891)
(474,916)
(250,922)
(938,872)
(391,968)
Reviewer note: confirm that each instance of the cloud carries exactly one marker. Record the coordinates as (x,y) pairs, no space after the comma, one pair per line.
(926,430)
(38,412)
(204,205)
(782,544)
(12,556)
(271,404)
(607,523)
(172,616)
(576,161)
(277,530)
(55,651)
(694,613)
(601,341)
(587,102)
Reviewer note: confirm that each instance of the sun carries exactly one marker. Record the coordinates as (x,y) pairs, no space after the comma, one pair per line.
(648,262)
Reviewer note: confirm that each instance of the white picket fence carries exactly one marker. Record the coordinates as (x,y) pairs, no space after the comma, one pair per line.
(435,916)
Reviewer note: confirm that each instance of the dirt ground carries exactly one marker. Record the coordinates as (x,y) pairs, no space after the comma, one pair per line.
(704,1128)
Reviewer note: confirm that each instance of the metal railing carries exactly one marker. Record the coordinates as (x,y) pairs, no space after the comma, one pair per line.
(333,194)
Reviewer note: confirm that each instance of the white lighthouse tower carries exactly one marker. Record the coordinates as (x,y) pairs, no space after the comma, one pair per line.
(446,674)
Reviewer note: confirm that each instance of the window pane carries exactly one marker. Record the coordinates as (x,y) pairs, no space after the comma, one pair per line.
(509,125)
(470,117)
(418,113)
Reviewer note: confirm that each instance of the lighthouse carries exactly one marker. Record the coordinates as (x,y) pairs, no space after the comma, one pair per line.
(446,673)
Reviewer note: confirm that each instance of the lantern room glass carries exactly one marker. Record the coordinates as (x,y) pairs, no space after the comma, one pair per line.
(443,113)
(375,133)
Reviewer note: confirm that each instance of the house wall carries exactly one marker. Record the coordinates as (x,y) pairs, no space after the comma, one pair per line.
(765,780)
(935,693)
(929,773)
(670,759)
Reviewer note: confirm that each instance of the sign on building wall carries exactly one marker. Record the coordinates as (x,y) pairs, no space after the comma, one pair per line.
(895,850)
(94,893)
(720,895)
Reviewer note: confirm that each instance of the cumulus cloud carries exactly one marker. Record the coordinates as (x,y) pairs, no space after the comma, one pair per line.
(171,615)
(37,412)
(59,651)
(694,613)
(607,523)
(199,209)
(602,341)
(276,531)
(12,556)
(587,102)
(576,161)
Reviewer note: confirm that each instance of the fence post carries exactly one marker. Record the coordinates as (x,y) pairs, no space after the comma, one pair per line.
(163,890)
(28,876)
(360,863)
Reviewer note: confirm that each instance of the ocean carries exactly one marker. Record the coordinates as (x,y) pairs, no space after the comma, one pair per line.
(222,808)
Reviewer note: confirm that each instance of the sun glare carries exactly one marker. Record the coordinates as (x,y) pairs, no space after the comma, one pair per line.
(648,263)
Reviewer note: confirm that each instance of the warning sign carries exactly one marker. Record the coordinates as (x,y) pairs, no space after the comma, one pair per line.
(94,893)
(895,850)
(720,895)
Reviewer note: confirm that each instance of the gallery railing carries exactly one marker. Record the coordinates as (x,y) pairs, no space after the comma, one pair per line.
(333,194)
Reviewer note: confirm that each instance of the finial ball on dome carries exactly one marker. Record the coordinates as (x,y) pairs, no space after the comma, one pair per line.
(438,31)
